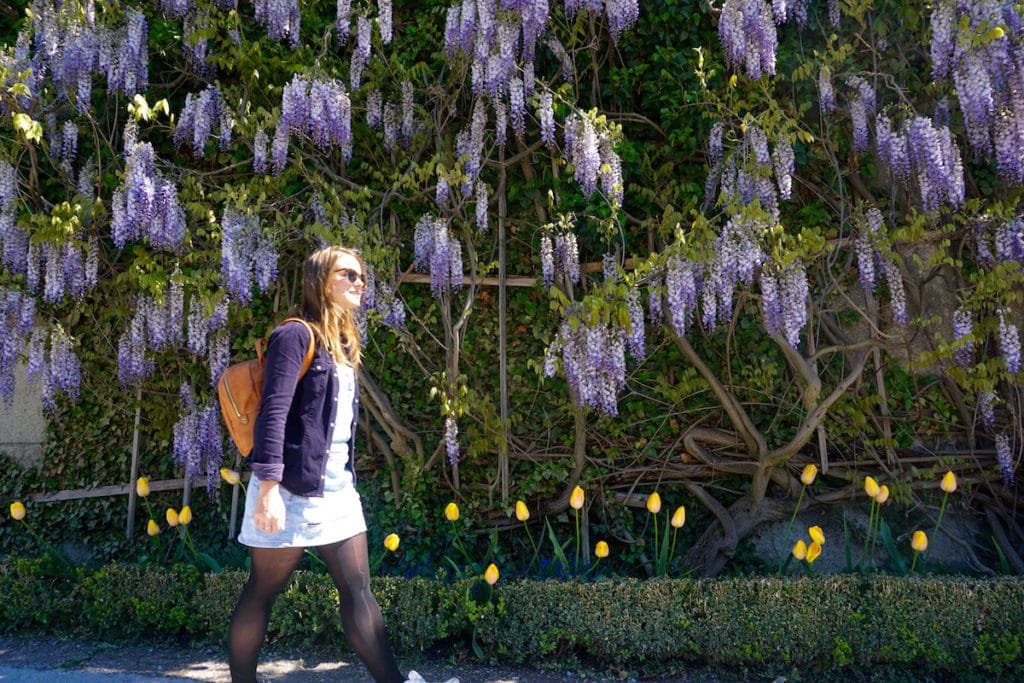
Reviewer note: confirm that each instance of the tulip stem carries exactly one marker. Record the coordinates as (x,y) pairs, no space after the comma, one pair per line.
(658,568)
(576,566)
(789,529)
(914,562)
(867,542)
(942,509)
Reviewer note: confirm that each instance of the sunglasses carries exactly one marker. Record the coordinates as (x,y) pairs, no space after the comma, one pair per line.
(352,275)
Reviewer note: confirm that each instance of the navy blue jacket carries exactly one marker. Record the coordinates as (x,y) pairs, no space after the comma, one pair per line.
(295,425)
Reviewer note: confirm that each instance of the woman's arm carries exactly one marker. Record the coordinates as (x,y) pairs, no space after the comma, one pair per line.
(285,354)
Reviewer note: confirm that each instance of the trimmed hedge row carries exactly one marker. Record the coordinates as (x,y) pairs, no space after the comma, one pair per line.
(827,624)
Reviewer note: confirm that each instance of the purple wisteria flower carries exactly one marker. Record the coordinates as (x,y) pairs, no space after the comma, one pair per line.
(655,287)
(546,116)
(986,409)
(635,334)
(281,17)
(344,20)
(567,258)
(384,20)
(259,149)
(784,298)
(1009,343)
(481,206)
(783,161)
(198,444)
(897,295)
(1005,458)
(681,294)
(63,372)
(197,118)
(963,352)
(146,206)
(17,318)
(826,93)
(547,261)
(248,255)
(1009,241)
(746,29)
(593,361)
(451,440)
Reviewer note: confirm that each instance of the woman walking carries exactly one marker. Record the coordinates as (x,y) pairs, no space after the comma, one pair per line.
(303,474)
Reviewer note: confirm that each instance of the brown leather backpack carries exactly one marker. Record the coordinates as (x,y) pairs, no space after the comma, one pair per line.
(240,387)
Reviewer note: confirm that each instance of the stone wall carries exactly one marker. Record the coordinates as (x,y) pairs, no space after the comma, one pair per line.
(22,424)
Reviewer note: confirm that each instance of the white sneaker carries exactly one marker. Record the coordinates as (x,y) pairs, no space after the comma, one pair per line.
(416,678)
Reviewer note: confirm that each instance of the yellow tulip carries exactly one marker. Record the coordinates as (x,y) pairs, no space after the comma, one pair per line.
(577,498)
(601,549)
(230,476)
(172,517)
(18,511)
(152,528)
(919,542)
(870,487)
(883,494)
(491,575)
(185,516)
(948,483)
(391,542)
(679,517)
(800,550)
(813,550)
(817,535)
(142,487)
(522,512)
(809,474)
(654,503)
(451,512)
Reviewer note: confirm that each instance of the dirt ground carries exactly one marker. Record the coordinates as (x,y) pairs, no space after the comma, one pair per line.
(64,657)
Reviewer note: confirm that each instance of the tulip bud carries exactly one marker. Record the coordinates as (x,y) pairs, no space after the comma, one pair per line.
(152,528)
(948,483)
(601,549)
(870,487)
(679,517)
(813,550)
(491,575)
(230,476)
(172,517)
(654,503)
(185,516)
(577,498)
(809,474)
(800,550)
(451,512)
(522,512)
(919,541)
(142,487)
(817,535)
(391,542)
(18,510)
(883,494)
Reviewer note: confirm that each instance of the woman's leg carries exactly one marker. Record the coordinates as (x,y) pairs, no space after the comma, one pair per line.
(348,563)
(271,569)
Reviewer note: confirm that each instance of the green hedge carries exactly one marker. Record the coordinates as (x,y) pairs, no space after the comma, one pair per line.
(834,624)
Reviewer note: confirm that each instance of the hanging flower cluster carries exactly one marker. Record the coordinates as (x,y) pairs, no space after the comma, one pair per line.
(746,175)
(17,315)
(195,125)
(318,110)
(281,18)
(385,116)
(198,442)
(1005,458)
(560,258)
(593,360)
(1009,343)
(589,149)
(979,45)
(437,252)
(784,296)
(14,243)
(746,29)
(158,325)
(963,324)
(146,205)
(248,256)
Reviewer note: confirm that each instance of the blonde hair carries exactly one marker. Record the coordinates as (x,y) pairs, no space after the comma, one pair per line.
(335,326)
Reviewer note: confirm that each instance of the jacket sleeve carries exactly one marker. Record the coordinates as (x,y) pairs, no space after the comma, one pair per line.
(285,352)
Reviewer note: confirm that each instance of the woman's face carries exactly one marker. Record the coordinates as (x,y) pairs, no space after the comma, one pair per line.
(347,282)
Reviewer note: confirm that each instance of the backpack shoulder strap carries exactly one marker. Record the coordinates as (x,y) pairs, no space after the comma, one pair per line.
(308,360)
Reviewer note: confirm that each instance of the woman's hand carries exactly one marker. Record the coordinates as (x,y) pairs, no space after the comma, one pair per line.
(269,514)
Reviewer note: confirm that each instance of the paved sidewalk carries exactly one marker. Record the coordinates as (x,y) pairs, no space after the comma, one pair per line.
(42,659)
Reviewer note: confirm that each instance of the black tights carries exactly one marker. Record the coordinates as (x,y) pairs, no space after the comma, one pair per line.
(348,563)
